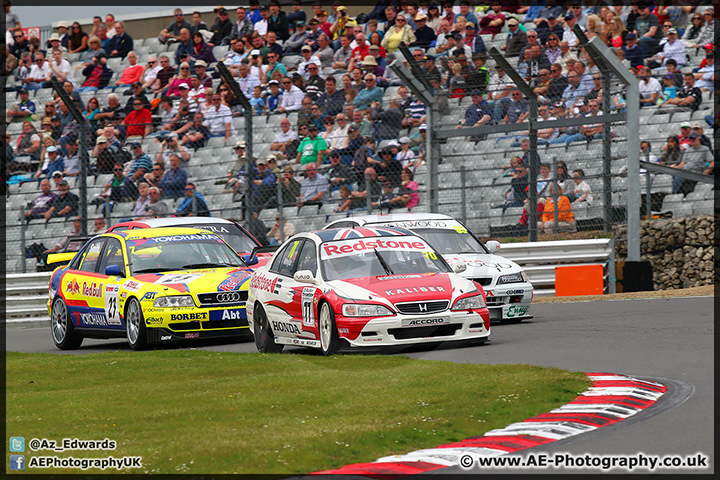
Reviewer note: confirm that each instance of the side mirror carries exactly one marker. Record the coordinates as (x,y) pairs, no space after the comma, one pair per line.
(249,259)
(493,246)
(458,267)
(114,270)
(304,276)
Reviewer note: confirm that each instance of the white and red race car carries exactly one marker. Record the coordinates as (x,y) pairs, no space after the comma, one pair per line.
(362,287)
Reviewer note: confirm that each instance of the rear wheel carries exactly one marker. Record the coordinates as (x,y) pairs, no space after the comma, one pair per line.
(135,325)
(61,327)
(264,338)
(329,339)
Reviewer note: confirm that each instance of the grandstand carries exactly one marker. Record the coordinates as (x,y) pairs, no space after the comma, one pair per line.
(471,175)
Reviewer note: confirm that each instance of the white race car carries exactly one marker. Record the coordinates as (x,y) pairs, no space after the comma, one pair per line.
(507,290)
(362,287)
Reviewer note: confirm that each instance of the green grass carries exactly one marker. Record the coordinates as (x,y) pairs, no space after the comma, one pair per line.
(195,412)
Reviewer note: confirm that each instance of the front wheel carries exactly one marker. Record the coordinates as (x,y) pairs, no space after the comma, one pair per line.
(329,339)
(63,333)
(135,325)
(264,338)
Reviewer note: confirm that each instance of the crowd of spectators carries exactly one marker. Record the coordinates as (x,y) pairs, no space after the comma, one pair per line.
(325,74)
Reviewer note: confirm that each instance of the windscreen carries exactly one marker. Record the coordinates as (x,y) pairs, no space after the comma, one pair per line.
(234,236)
(180,252)
(449,240)
(377,256)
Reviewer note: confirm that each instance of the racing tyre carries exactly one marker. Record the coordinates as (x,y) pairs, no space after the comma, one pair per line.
(63,332)
(264,338)
(329,339)
(135,325)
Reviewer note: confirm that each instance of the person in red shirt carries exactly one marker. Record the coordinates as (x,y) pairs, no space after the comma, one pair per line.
(132,73)
(139,121)
(322,18)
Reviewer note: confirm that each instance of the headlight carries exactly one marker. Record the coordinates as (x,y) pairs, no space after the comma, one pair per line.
(364,310)
(512,278)
(469,303)
(174,301)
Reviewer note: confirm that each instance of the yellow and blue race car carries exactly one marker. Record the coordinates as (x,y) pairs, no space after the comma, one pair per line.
(151,286)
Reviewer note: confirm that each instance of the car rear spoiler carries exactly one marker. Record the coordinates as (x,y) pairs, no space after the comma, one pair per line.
(251,259)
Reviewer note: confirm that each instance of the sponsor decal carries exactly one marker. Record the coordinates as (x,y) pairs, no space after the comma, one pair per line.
(286,327)
(123,295)
(233,314)
(302,342)
(234,282)
(149,296)
(93,319)
(92,290)
(423,322)
(112,310)
(358,245)
(402,291)
(176,278)
(514,310)
(165,337)
(212,228)
(177,317)
(153,321)
(343,330)
(192,335)
(72,287)
(488,293)
(184,238)
(132,285)
(366,339)
(396,277)
(515,292)
(261,282)
(420,224)
(308,310)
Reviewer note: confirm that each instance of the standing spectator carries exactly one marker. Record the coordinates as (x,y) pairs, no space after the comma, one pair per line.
(388,122)
(121,43)
(313,189)
(42,203)
(171,33)
(71,161)
(186,207)
(174,180)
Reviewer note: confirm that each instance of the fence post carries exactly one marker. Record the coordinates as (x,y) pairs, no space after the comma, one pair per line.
(194,204)
(462,194)
(368,194)
(648,184)
(23,243)
(281,217)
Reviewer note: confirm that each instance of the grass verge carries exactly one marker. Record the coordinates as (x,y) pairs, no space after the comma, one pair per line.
(196,412)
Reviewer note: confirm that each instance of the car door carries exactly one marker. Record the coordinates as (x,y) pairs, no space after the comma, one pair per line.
(83,287)
(284,297)
(113,255)
(308,294)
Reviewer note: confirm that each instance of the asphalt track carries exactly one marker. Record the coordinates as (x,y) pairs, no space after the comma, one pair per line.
(666,340)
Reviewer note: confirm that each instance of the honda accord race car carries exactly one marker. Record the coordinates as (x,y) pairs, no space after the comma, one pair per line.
(508,292)
(150,286)
(359,287)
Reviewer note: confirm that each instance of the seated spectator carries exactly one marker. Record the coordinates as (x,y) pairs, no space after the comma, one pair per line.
(195,134)
(263,188)
(65,204)
(42,203)
(218,119)
(581,190)
(518,189)
(289,187)
(291,97)
(130,74)
(277,235)
(105,154)
(193,203)
(24,110)
(313,189)
(697,158)
(672,153)
(370,178)
(516,39)
(370,94)
(650,89)
(405,156)
(566,219)
(171,33)
(705,76)
(173,182)
(588,132)
(307,58)
(347,202)
(38,73)
(67,242)
(71,161)
(338,173)
(53,163)
(139,121)
(157,207)
(312,148)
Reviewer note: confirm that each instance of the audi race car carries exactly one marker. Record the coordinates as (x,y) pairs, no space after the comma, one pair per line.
(231,232)
(150,286)
(362,287)
(508,292)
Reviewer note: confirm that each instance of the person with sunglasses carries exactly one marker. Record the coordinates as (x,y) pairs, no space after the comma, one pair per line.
(221,28)
(20,44)
(38,72)
(171,33)
(193,203)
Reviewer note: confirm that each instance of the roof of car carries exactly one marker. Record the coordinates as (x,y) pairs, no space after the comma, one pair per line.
(396,217)
(171,221)
(360,232)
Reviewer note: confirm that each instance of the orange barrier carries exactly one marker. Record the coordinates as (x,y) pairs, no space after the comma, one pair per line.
(577,280)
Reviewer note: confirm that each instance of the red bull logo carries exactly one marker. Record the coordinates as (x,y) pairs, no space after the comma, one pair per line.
(72,287)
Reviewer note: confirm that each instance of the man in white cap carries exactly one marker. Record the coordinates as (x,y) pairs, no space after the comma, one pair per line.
(307,59)
(63,33)
(55,45)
